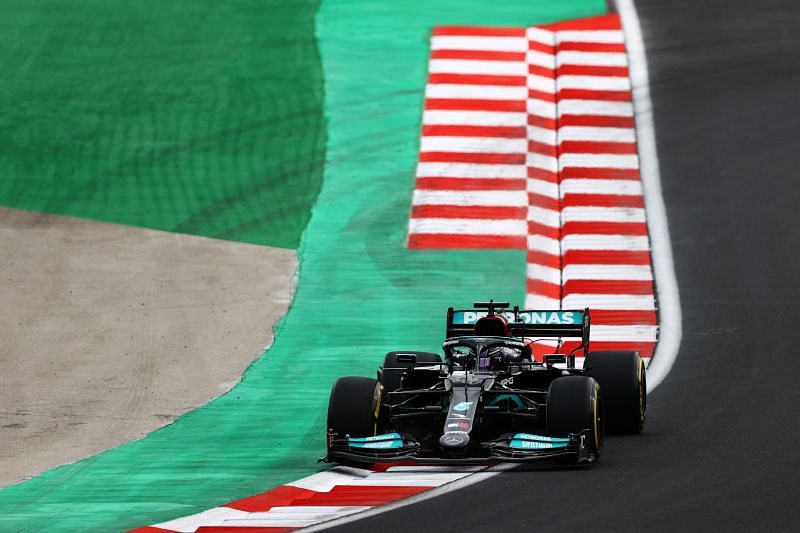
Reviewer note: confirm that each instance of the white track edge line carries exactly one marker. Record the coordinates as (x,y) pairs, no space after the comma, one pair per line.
(461,483)
(669,306)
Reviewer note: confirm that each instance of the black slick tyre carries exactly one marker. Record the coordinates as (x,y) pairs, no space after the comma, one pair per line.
(574,404)
(623,382)
(352,406)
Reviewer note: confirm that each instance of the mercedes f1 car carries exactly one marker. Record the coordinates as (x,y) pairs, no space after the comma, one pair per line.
(488,398)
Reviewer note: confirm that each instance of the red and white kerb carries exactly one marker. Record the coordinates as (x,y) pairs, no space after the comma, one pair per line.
(335,493)
(529,142)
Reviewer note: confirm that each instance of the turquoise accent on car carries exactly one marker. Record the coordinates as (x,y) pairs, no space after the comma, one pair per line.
(527,441)
(389,440)
(551,317)
(525,317)
(513,397)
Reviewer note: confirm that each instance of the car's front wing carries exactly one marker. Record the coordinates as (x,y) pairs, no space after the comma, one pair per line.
(514,448)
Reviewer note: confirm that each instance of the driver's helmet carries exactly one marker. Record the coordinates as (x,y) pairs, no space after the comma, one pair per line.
(499,357)
(492,326)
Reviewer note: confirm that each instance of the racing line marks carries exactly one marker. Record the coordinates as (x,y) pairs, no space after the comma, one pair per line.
(528,142)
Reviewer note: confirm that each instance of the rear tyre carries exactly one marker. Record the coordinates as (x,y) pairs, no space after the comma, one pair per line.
(573,405)
(352,405)
(623,381)
(392,379)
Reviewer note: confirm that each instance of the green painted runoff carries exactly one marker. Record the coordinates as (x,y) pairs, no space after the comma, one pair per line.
(360,292)
(193,116)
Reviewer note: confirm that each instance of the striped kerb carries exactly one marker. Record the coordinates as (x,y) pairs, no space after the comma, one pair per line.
(529,142)
(328,495)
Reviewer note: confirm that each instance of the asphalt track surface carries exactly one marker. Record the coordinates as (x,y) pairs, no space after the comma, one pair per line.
(719,448)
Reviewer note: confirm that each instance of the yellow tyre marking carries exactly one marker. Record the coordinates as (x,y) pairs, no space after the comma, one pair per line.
(377,408)
(641,391)
(594,410)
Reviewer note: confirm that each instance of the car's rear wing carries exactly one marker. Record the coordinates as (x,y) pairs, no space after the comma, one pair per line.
(555,323)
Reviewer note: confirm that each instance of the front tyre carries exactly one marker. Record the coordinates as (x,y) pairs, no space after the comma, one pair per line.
(574,404)
(623,380)
(352,406)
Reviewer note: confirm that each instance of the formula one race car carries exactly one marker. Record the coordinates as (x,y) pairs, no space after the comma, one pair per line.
(488,398)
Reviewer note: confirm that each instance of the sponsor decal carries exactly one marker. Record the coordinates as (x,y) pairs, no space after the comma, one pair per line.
(514,344)
(540,437)
(507,381)
(531,444)
(463,406)
(458,425)
(381,437)
(389,440)
(525,317)
(527,441)
(551,317)
(470,317)
(454,439)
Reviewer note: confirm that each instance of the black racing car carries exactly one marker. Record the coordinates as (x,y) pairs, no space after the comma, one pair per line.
(488,399)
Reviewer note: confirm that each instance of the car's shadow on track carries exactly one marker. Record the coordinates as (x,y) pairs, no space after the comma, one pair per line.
(547,467)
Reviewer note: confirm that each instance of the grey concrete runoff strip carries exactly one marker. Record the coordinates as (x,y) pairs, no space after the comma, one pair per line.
(110,332)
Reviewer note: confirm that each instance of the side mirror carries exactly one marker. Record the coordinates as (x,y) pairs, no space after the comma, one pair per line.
(407,358)
(554,358)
